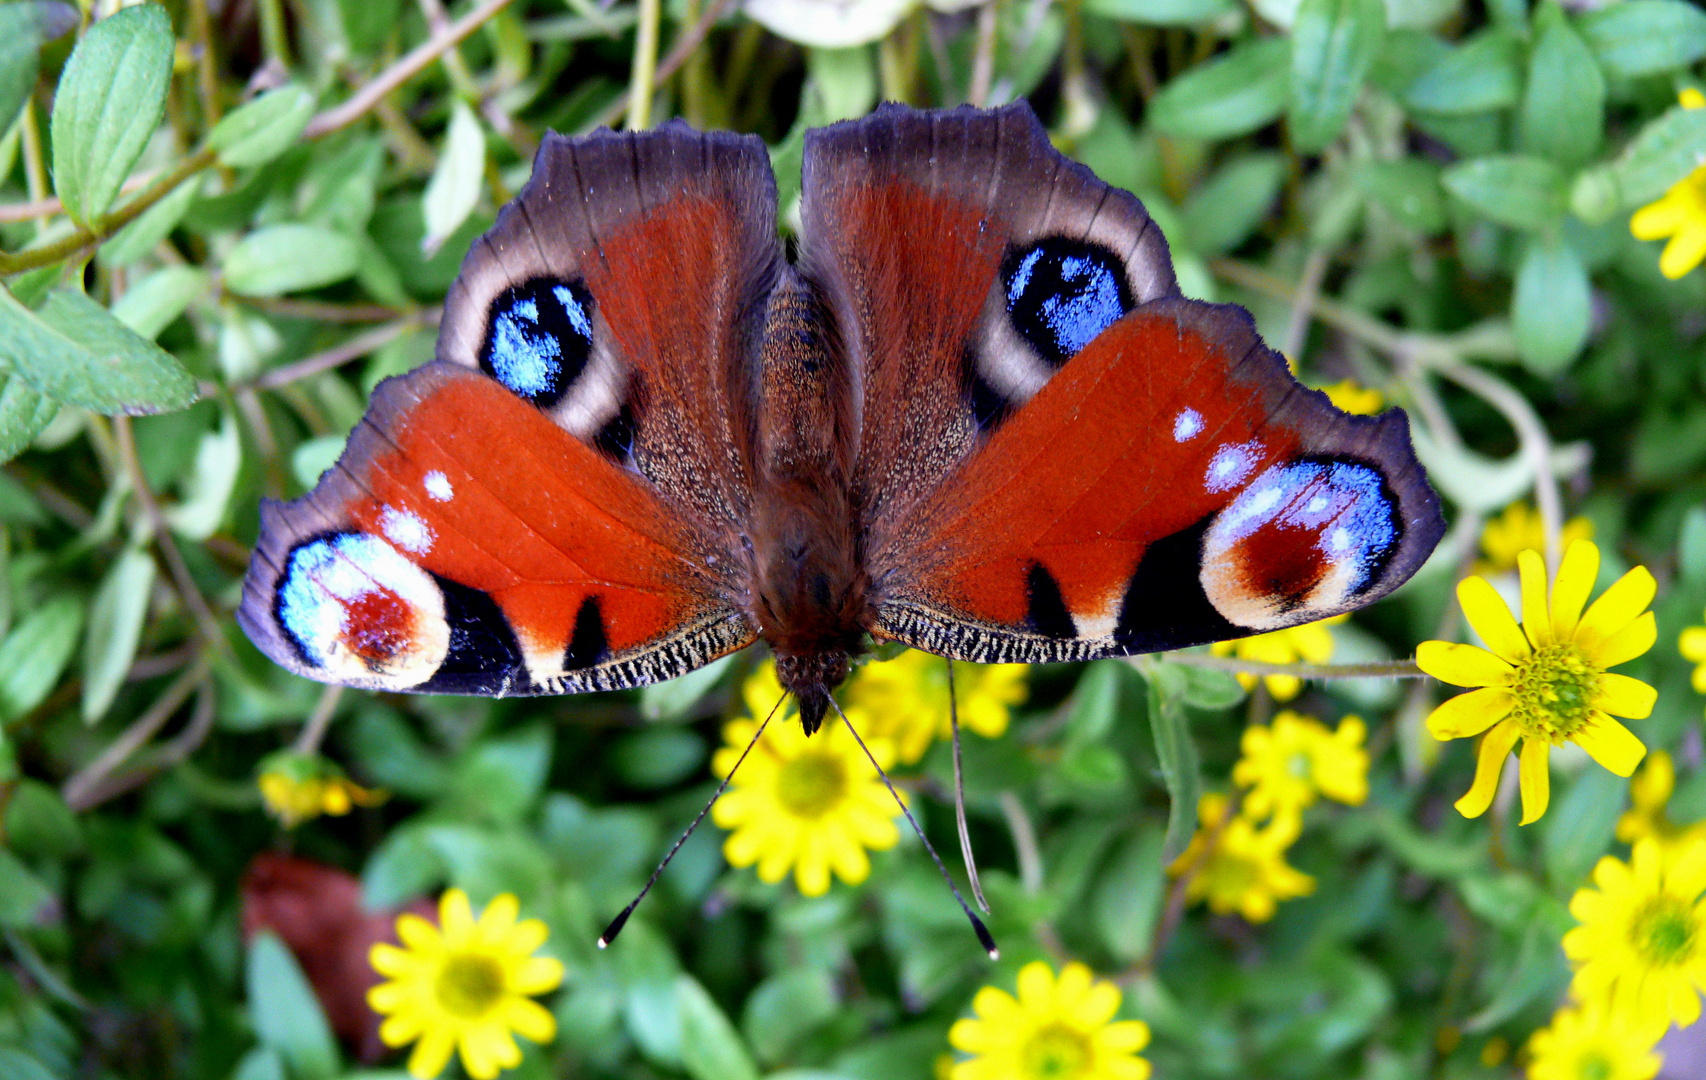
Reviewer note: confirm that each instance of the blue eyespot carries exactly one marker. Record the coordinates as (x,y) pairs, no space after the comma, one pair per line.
(1061,293)
(538,338)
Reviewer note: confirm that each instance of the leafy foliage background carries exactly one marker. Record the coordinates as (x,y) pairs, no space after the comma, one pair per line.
(222,225)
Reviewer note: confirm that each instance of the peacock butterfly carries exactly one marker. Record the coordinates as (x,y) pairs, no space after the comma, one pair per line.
(975,415)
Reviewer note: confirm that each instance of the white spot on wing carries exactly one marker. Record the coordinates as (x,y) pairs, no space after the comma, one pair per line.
(438,486)
(1230,465)
(406,530)
(1187,425)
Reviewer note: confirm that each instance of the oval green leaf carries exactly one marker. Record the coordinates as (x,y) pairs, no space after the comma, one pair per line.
(109,102)
(74,351)
(23,413)
(1665,151)
(24,28)
(1563,103)
(454,189)
(1511,189)
(1227,97)
(35,652)
(289,258)
(285,1012)
(1334,43)
(115,629)
(1551,307)
(262,129)
(1483,75)
(1645,37)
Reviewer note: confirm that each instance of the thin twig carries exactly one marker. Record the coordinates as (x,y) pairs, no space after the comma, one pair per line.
(1303,303)
(355,348)
(407,67)
(82,784)
(1024,842)
(314,731)
(683,48)
(188,591)
(983,59)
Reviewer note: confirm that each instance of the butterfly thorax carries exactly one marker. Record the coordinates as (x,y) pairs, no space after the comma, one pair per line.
(810,595)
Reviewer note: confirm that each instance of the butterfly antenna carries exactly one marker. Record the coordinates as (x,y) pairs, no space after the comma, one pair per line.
(982,931)
(621,920)
(960,800)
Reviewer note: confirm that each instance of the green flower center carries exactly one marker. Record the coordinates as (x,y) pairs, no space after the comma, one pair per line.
(469,984)
(1555,690)
(1593,1066)
(1664,933)
(1055,1052)
(1298,765)
(811,785)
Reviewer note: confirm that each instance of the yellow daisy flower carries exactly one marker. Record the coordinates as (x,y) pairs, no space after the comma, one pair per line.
(1680,214)
(1692,645)
(1546,681)
(907,699)
(1311,643)
(1239,867)
(1641,947)
(1649,792)
(1518,528)
(1287,765)
(1353,397)
(1054,1030)
(465,985)
(297,787)
(1583,1042)
(813,805)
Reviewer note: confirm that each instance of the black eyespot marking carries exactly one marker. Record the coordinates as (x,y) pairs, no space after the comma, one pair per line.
(616,438)
(1061,293)
(588,645)
(483,655)
(1047,613)
(538,338)
(1165,606)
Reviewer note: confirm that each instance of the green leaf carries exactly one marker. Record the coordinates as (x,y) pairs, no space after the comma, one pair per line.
(1551,307)
(263,129)
(1691,546)
(845,81)
(1128,897)
(711,1049)
(1563,103)
(154,224)
(1334,43)
(1665,151)
(109,102)
(1228,207)
(658,757)
(1511,189)
(783,1009)
(1581,825)
(454,189)
(208,487)
(289,258)
(500,779)
(1160,12)
(39,824)
(1176,752)
(285,1012)
(1409,190)
(1645,37)
(74,351)
(17,1065)
(23,414)
(35,652)
(115,629)
(1229,96)
(1483,74)
(24,27)
(23,897)
(1538,971)
(151,304)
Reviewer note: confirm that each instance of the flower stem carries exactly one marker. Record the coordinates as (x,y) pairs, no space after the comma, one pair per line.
(645,66)
(1390,669)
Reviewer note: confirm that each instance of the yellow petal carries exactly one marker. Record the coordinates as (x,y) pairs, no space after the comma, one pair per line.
(1692,644)
(1495,747)
(530,1020)
(1625,645)
(1621,605)
(1536,779)
(431,1054)
(1535,623)
(1610,743)
(1571,588)
(1660,219)
(1684,251)
(1461,665)
(455,916)
(1470,714)
(1487,613)
(1620,695)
